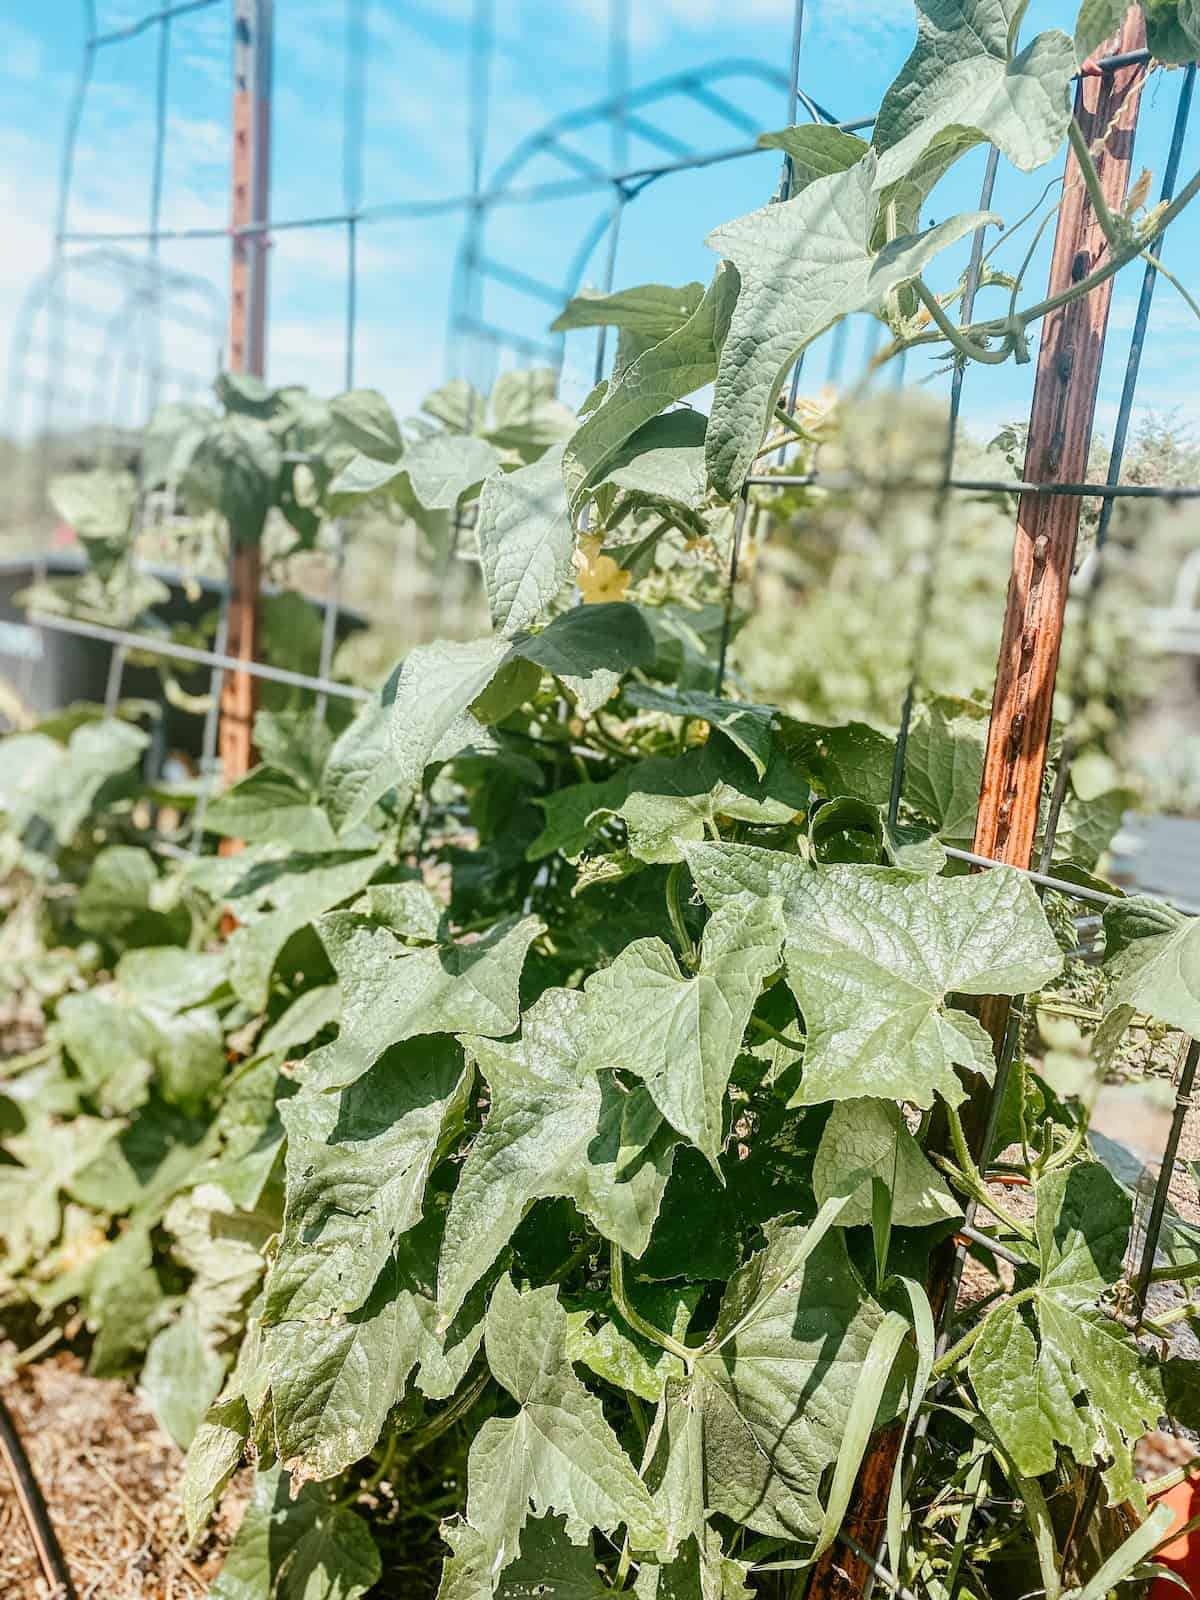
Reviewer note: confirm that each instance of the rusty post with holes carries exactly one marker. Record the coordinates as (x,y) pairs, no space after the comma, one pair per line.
(252,22)
(1060,432)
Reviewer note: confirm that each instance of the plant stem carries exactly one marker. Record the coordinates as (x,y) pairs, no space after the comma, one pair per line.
(1091,182)
(774,1033)
(1169,1274)
(421,1438)
(1179,1313)
(636,1321)
(1158,1486)
(969,1178)
(957,1351)
(675,912)
(958,337)
(789,422)
(1114,263)
(1153,260)
(1069,1150)
(1116,260)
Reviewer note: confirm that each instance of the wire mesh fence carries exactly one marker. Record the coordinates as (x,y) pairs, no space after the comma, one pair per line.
(1048,502)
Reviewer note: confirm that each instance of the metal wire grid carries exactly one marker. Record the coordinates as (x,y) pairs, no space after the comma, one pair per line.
(1108,493)
(624,185)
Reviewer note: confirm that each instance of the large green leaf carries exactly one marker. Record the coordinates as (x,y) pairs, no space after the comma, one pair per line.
(672,799)
(614,1352)
(248,1131)
(558,1453)
(181,1377)
(221,1247)
(555,1126)
(270,807)
(963,84)
(430,718)
(435,472)
(765,1450)
(744,724)
(366,421)
(97,504)
(144,1162)
(334,1380)
(815,151)
(652,310)
(803,265)
(526,416)
(296,741)
(362,767)
(307,1548)
(42,1164)
(1160,974)
(357,1164)
(125,900)
(442,468)
(854,760)
(677,366)
(391,992)
(169,978)
(575,813)
(213,1458)
(124,1303)
(457,404)
(681,1035)
(233,471)
(526,542)
(943,764)
(170,439)
(873,953)
(1082,1224)
(589,648)
(96,753)
(870,1136)
(275,899)
(664,459)
(118,1045)
(1172,30)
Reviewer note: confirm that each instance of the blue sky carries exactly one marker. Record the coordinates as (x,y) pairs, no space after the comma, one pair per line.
(548,59)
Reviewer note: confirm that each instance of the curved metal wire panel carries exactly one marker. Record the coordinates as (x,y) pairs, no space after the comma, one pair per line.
(477,338)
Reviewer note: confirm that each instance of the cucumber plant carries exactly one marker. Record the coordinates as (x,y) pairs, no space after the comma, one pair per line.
(561,1090)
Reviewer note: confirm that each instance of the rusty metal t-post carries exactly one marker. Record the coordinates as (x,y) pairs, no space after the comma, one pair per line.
(1060,432)
(252,52)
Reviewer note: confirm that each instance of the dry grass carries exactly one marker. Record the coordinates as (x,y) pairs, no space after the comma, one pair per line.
(111,1478)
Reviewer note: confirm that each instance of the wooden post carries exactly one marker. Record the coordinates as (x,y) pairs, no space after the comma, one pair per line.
(1060,436)
(252,23)
(1060,433)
